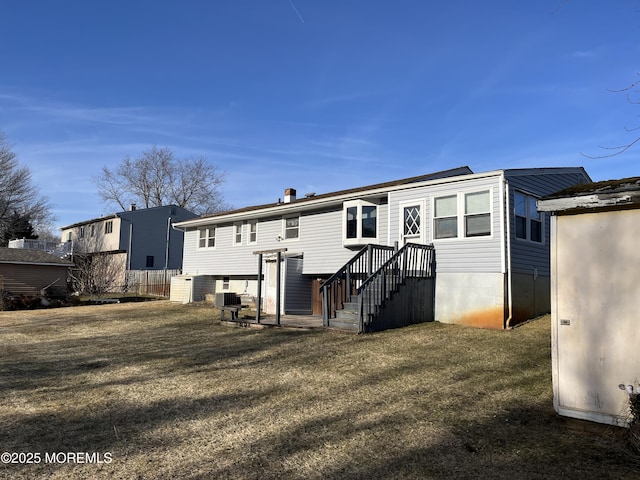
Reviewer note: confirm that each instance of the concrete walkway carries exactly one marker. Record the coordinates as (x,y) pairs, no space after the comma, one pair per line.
(307,322)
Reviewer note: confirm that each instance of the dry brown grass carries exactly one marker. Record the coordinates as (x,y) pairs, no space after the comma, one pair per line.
(170,394)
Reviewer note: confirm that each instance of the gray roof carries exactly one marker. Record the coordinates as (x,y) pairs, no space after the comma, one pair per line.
(36,257)
(608,194)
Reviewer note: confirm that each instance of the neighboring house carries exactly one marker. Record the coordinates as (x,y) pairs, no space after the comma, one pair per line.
(137,239)
(49,246)
(27,272)
(595,298)
(491,245)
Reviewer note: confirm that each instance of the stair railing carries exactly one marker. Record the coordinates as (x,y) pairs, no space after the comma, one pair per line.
(412,260)
(342,285)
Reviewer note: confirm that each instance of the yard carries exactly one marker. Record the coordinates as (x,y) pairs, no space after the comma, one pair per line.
(158,390)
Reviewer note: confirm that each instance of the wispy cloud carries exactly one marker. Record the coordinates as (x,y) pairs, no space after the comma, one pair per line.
(591,53)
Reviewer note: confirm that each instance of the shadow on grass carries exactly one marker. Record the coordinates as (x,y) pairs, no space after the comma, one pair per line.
(272,415)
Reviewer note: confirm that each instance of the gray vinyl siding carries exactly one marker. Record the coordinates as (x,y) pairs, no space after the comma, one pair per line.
(532,257)
(297,294)
(320,243)
(474,254)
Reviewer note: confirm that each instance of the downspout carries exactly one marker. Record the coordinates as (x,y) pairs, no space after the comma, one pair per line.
(166,255)
(507,218)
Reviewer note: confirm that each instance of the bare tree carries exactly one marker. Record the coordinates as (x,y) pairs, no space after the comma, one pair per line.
(18,195)
(157,178)
(95,274)
(632,92)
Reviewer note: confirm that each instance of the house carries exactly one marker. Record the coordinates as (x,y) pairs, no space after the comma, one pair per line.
(137,239)
(27,272)
(594,298)
(490,246)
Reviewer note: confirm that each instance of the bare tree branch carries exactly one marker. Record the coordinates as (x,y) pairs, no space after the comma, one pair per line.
(18,194)
(620,149)
(157,178)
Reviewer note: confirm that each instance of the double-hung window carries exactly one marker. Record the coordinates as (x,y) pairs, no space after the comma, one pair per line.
(291,228)
(360,222)
(207,237)
(528,219)
(253,231)
(462,215)
(237,233)
(445,217)
(477,214)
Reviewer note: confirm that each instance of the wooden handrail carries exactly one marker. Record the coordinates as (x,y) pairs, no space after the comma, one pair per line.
(412,260)
(340,286)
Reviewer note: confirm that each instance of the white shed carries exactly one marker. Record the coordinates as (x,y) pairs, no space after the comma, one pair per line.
(595,298)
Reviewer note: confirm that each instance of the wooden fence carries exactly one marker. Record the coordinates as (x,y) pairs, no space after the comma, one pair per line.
(150,282)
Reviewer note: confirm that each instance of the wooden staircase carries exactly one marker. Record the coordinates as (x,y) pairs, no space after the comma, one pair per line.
(399,292)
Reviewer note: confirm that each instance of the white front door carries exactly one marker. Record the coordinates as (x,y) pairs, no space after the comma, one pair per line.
(412,222)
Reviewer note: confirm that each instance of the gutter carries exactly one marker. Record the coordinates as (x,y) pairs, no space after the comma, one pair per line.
(328,201)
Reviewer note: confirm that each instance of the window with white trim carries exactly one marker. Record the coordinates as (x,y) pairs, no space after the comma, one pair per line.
(253,231)
(477,214)
(108,226)
(360,222)
(291,228)
(473,221)
(237,233)
(445,217)
(528,219)
(207,237)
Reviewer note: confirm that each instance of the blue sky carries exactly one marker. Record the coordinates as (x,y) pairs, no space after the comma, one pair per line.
(318,95)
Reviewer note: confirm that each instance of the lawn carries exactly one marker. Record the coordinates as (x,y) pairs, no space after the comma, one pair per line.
(158,390)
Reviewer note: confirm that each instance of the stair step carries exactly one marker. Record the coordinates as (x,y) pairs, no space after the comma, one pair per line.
(350,307)
(343,325)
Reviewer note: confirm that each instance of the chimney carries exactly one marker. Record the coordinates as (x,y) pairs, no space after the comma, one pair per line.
(289,195)
(132,207)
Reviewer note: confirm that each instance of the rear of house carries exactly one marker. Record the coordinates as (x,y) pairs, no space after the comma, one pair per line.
(491,245)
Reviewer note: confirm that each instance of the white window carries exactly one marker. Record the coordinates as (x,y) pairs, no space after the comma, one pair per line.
(108,226)
(291,228)
(462,215)
(253,231)
(81,232)
(528,219)
(237,233)
(445,217)
(207,237)
(477,214)
(93,229)
(360,222)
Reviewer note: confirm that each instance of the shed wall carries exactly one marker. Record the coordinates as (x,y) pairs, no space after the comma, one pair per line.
(30,279)
(595,304)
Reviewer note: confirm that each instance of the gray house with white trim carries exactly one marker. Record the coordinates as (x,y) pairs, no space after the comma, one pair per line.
(490,244)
